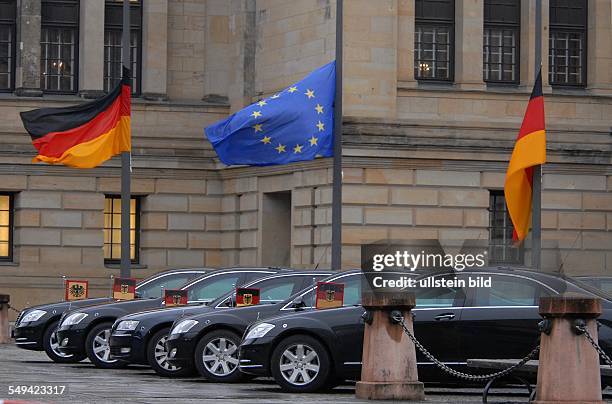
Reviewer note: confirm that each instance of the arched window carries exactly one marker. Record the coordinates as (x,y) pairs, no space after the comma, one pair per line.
(59,46)
(113,23)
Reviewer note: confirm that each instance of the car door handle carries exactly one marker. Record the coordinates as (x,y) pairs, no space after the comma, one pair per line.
(445,316)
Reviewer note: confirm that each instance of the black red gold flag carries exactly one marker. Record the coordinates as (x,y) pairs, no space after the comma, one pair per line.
(85,135)
(247,297)
(76,290)
(175,297)
(329,295)
(529,151)
(124,289)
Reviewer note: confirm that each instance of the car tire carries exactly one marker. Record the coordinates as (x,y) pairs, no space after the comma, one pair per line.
(157,356)
(224,369)
(301,364)
(50,345)
(98,349)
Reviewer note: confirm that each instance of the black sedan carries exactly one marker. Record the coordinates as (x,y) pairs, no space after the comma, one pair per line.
(35,327)
(87,331)
(310,350)
(140,337)
(209,341)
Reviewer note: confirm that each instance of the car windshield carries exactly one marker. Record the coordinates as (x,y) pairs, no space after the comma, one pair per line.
(589,287)
(154,288)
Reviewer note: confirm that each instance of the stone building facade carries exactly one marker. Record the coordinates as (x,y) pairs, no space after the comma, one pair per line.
(422,159)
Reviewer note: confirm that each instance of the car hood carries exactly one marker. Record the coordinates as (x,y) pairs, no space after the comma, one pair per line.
(60,307)
(127,306)
(169,313)
(239,311)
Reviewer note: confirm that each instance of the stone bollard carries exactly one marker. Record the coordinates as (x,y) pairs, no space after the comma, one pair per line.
(4,320)
(568,370)
(389,369)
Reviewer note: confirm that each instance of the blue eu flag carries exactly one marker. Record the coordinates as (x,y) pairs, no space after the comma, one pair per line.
(296,124)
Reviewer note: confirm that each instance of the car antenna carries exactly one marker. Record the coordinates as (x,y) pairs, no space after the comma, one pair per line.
(321,257)
(561,270)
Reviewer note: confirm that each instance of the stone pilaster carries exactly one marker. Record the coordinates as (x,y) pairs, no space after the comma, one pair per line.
(599,52)
(469,16)
(27,78)
(527,51)
(91,45)
(155,49)
(405,43)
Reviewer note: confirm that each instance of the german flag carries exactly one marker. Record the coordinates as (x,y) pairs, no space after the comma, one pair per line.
(529,151)
(85,135)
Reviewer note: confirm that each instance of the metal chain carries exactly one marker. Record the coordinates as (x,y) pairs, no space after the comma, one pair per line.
(600,351)
(462,375)
(12,308)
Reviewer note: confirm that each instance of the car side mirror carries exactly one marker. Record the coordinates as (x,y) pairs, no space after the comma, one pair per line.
(298,303)
(137,295)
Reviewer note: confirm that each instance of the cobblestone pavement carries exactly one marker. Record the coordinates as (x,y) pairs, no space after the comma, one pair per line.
(86,384)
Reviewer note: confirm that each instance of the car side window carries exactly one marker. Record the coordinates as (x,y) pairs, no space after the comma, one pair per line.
(508,291)
(278,289)
(434,295)
(154,288)
(211,288)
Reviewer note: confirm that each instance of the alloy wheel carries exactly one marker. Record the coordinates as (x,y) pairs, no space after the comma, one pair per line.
(299,364)
(54,344)
(101,348)
(161,355)
(220,357)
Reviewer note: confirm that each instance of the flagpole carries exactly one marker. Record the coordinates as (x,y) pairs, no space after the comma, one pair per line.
(337,168)
(125,156)
(536,218)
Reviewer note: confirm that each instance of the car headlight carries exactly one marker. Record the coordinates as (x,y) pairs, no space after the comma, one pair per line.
(74,318)
(127,325)
(259,330)
(183,327)
(32,316)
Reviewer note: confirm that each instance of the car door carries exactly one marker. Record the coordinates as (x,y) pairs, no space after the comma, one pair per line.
(438,311)
(500,322)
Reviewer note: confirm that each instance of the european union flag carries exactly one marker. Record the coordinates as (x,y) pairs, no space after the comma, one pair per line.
(296,124)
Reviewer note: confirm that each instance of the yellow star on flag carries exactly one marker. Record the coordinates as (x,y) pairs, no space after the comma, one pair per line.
(258,127)
(262,103)
(321,126)
(309,93)
(266,140)
(297,148)
(292,89)
(319,108)
(280,148)
(313,141)
(256,114)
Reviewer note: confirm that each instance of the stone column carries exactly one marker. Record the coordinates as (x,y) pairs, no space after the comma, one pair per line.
(599,47)
(389,369)
(568,370)
(469,18)
(155,49)
(405,43)
(27,72)
(91,49)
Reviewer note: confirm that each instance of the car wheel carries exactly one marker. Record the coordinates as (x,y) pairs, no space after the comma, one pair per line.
(157,355)
(98,349)
(51,344)
(216,356)
(301,364)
